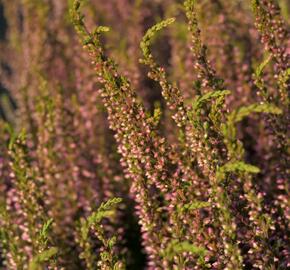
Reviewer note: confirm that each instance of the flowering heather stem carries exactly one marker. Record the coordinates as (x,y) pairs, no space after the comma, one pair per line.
(206,74)
(127,118)
(272,30)
(175,102)
(27,237)
(261,221)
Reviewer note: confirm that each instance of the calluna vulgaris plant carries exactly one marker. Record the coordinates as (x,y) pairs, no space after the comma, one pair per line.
(162,144)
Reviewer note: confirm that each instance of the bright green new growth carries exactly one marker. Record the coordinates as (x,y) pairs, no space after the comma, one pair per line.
(238,166)
(149,37)
(259,70)
(156,115)
(107,258)
(196,205)
(44,232)
(189,3)
(239,114)
(258,75)
(38,261)
(201,100)
(106,210)
(175,248)
(229,129)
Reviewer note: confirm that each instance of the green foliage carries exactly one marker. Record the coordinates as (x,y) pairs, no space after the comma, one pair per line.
(189,3)
(239,114)
(78,21)
(156,115)
(175,248)
(259,70)
(192,206)
(149,36)
(259,78)
(206,98)
(93,223)
(106,210)
(283,82)
(38,261)
(229,129)
(44,232)
(238,166)
(285,75)
(201,102)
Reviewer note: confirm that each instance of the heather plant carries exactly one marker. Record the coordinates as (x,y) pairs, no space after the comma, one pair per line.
(144,134)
